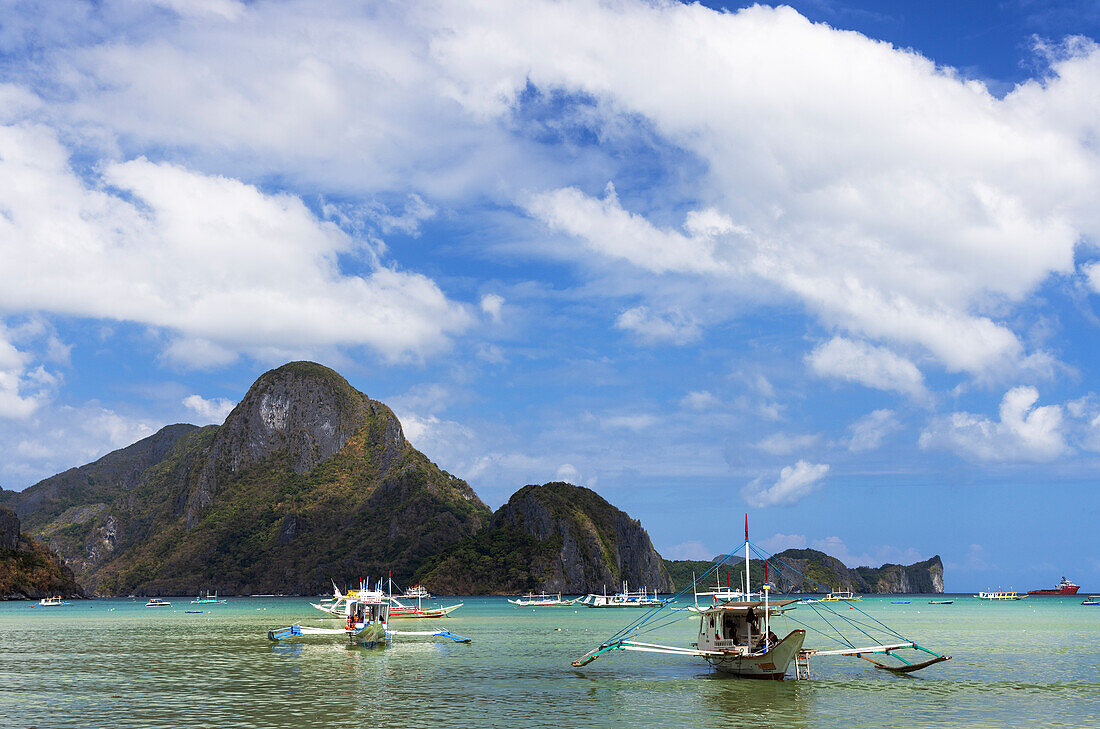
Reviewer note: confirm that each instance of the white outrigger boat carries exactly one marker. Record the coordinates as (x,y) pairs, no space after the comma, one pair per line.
(52,602)
(841,596)
(541,600)
(336,605)
(367,616)
(625,599)
(736,637)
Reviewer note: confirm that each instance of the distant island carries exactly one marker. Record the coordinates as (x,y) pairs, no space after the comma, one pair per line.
(309,481)
(827,572)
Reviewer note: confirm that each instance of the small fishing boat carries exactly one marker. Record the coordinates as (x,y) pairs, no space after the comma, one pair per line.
(541,600)
(1091,600)
(55,601)
(157,602)
(625,599)
(940,602)
(999,595)
(736,638)
(207,599)
(367,616)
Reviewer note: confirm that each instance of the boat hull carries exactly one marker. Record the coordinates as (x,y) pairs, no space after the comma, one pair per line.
(372,635)
(772,665)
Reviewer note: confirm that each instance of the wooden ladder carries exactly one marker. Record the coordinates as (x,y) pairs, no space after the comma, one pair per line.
(802,665)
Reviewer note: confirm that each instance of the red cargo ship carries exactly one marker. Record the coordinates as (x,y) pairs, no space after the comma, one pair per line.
(1065,587)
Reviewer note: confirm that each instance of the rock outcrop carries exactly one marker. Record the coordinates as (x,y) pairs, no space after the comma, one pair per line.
(28,570)
(554,538)
(307,480)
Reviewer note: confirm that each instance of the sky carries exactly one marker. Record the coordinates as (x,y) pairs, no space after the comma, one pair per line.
(833,264)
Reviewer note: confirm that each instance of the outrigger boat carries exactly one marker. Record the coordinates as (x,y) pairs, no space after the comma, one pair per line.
(841,596)
(336,605)
(52,602)
(625,599)
(541,600)
(736,637)
(207,599)
(367,615)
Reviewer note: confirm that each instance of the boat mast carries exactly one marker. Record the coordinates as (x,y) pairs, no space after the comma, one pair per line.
(746,556)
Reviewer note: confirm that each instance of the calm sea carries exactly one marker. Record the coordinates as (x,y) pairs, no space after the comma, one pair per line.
(115,663)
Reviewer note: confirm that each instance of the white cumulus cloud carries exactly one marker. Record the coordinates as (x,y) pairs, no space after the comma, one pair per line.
(213,410)
(1025,432)
(876,367)
(224,266)
(657,328)
(868,432)
(794,484)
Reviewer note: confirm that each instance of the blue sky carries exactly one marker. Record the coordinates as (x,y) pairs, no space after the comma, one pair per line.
(831,263)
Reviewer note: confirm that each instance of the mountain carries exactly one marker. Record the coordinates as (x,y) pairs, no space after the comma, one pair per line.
(27,568)
(817,567)
(307,480)
(554,538)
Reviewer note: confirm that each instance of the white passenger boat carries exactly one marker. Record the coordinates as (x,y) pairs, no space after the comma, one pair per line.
(419,592)
(841,596)
(999,595)
(52,602)
(541,600)
(157,602)
(1091,600)
(625,599)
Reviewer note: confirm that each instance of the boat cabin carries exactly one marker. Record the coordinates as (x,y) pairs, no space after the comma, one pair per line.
(739,626)
(367,611)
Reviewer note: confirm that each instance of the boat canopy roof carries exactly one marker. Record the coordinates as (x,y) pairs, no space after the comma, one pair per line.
(746,606)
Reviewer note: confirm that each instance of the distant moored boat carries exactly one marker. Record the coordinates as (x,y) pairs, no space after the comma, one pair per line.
(1065,587)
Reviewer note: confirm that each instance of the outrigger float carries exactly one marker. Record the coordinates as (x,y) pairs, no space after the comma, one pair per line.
(736,638)
(367,617)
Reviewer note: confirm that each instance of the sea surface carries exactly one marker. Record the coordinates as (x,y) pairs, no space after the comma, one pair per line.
(116,663)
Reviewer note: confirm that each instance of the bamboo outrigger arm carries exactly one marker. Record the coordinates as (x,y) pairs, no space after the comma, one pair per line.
(629,645)
(888,650)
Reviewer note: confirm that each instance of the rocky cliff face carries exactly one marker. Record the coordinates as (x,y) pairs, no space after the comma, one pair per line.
(27,569)
(308,480)
(922,577)
(554,538)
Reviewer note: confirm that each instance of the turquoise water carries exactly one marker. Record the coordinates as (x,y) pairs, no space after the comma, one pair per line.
(116,663)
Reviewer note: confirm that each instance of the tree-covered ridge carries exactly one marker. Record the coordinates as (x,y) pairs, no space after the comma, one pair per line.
(308,480)
(29,569)
(554,537)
